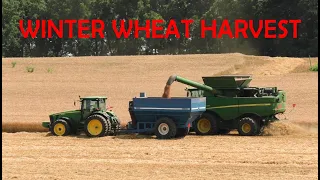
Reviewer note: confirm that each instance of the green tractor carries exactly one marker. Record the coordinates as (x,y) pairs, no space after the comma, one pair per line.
(93,118)
(232,104)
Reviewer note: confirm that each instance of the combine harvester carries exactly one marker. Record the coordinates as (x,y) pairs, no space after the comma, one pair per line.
(232,104)
(166,118)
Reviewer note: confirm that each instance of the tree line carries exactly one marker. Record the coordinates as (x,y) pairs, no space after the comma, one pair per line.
(14,45)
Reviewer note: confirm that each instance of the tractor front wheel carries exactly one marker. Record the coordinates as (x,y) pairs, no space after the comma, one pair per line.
(60,128)
(248,127)
(97,126)
(165,128)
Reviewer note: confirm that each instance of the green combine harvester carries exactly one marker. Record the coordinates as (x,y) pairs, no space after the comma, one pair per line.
(232,104)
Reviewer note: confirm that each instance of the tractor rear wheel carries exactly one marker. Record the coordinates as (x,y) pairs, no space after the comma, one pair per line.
(206,124)
(165,128)
(60,128)
(97,126)
(182,132)
(115,126)
(248,127)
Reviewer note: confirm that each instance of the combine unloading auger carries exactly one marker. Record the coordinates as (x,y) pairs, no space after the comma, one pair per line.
(182,80)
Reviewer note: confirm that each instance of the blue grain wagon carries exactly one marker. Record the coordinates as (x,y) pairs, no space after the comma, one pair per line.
(166,118)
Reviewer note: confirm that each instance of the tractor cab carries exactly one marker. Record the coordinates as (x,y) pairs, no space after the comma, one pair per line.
(93,103)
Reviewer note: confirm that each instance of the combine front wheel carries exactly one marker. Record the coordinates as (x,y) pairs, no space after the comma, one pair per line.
(206,124)
(248,127)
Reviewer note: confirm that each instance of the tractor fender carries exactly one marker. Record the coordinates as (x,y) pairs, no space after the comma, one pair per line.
(105,115)
(110,114)
(68,120)
(113,119)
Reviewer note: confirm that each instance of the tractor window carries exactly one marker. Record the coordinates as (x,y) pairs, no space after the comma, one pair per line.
(89,104)
(102,104)
(93,105)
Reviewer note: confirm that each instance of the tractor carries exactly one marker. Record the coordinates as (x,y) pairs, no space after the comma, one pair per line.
(93,118)
(232,104)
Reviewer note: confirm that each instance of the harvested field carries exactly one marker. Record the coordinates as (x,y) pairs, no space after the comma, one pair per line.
(36,155)
(288,149)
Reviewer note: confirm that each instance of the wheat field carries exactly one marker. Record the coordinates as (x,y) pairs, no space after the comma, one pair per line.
(287,150)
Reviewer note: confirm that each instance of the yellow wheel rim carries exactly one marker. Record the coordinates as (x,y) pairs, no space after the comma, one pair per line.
(246,128)
(94,127)
(204,125)
(59,129)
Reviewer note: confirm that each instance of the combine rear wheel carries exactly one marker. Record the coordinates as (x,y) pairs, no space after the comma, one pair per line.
(165,128)
(206,124)
(248,127)
(60,128)
(97,126)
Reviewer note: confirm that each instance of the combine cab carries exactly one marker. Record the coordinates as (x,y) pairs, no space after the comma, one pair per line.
(233,104)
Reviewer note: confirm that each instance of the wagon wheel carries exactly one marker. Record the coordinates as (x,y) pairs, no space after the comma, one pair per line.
(165,128)
(206,124)
(248,127)
(97,126)
(60,128)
